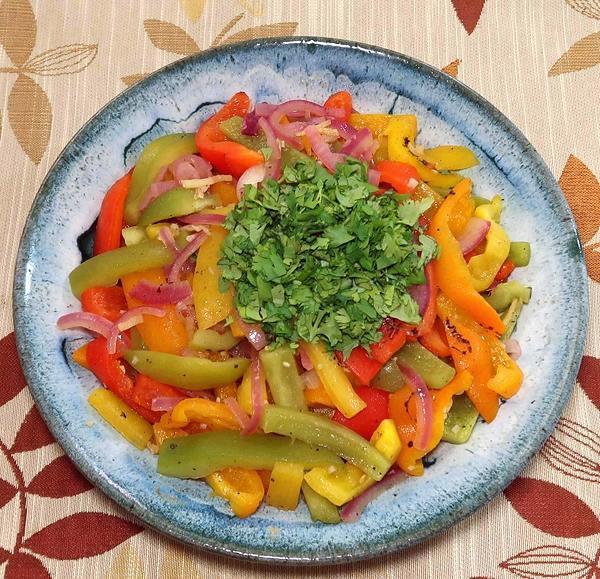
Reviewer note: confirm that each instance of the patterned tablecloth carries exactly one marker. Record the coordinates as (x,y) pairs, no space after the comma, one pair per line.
(536,60)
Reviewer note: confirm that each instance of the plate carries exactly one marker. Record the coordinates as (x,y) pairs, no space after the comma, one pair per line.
(459,479)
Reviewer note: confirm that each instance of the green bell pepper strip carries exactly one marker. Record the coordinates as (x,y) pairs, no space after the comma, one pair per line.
(321,431)
(199,455)
(434,371)
(319,507)
(511,316)
(133,235)
(232,129)
(389,378)
(213,341)
(283,378)
(107,268)
(175,203)
(186,371)
(460,421)
(503,295)
(158,154)
(520,253)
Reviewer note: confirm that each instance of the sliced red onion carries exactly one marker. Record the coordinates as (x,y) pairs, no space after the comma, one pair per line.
(184,254)
(359,144)
(273,164)
(351,511)
(346,130)
(242,350)
(237,411)
(295,108)
(206,394)
(190,167)
(91,322)
(203,219)
(128,320)
(473,234)
(310,380)
(321,149)
(250,124)
(258,402)
(513,348)
(335,113)
(374,177)
(304,359)
(424,406)
(264,109)
(251,176)
(165,403)
(253,332)
(156,190)
(166,236)
(161,294)
(420,293)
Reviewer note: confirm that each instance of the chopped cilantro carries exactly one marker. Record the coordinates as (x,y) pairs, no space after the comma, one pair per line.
(317,256)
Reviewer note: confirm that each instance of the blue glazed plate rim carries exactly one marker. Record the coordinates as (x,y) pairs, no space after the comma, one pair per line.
(535,441)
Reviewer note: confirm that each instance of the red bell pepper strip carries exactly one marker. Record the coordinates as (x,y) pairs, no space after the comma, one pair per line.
(430,313)
(340,100)
(108,302)
(395,333)
(110,220)
(401,176)
(146,389)
(503,273)
(224,155)
(362,365)
(367,420)
(110,371)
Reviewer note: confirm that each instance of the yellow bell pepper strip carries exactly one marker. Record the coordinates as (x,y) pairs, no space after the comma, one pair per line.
(484,267)
(285,485)
(491,210)
(451,271)
(121,417)
(341,484)
(508,377)
(174,203)
(164,429)
(400,136)
(450,158)
(320,509)
(244,391)
(156,155)
(212,305)
(186,372)
(460,421)
(167,334)
(282,375)
(213,341)
(377,124)
(403,127)
(105,269)
(470,348)
(214,414)
(198,455)
(319,430)
(334,380)
(240,487)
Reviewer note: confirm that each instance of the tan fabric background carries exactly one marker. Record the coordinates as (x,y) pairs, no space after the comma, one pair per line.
(536,60)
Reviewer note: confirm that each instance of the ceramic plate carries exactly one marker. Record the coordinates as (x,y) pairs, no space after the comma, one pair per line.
(177,98)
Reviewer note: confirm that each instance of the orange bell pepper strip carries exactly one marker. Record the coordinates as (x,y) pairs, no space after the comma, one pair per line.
(508,377)
(318,397)
(471,350)
(226,156)
(108,302)
(80,357)
(226,192)
(340,100)
(451,270)
(242,488)
(167,334)
(430,312)
(215,415)
(110,220)
(435,340)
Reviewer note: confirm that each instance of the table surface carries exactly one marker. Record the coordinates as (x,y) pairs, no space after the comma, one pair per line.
(536,60)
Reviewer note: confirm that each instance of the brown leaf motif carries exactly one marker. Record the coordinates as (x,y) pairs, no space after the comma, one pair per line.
(193,8)
(585,53)
(81,535)
(68,59)
(551,561)
(468,12)
(452,68)
(264,31)
(551,508)
(4,555)
(589,378)
(22,565)
(170,37)
(132,79)
(58,479)
(33,433)
(591,253)
(7,492)
(18,29)
(574,450)
(219,37)
(12,380)
(590,8)
(255,7)
(30,116)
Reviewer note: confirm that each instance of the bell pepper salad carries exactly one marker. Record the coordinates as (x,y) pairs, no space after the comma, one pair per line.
(299,301)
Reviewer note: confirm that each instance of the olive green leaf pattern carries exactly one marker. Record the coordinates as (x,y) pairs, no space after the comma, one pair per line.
(585,53)
(29,109)
(590,8)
